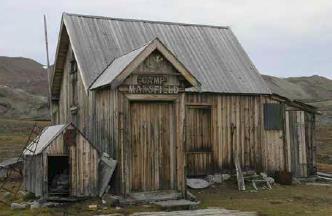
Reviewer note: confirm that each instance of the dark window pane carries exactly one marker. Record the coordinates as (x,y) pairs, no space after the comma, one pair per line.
(273,116)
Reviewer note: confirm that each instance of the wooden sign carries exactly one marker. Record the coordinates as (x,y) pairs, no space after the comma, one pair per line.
(151,79)
(152,84)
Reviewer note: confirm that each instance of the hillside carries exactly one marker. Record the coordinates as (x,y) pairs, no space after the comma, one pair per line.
(23,89)
(23,73)
(17,103)
(315,90)
(316,87)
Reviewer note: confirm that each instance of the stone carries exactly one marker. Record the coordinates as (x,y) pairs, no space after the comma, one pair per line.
(218,178)
(110,200)
(210,179)
(197,183)
(92,207)
(225,177)
(19,205)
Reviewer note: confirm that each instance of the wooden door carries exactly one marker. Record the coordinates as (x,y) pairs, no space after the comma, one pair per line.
(152,146)
(198,141)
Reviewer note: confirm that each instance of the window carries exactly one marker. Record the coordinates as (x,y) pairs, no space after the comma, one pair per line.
(273,116)
(73,79)
(73,64)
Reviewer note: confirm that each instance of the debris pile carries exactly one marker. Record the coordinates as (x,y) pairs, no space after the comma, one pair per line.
(60,183)
(257,181)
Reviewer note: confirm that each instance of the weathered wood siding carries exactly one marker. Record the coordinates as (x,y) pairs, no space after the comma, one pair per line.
(83,165)
(256,147)
(84,168)
(33,177)
(70,98)
(199,140)
(300,143)
(112,130)
(107,130)
(83,162)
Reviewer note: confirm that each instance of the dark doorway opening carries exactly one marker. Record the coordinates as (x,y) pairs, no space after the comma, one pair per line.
(58,175)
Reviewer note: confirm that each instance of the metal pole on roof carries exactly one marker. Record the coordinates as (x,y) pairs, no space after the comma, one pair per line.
(48,69)
(46,42)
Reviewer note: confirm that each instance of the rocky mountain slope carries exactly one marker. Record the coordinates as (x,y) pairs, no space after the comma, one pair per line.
(23,73)
(17,103)
(23,89)
(315,90)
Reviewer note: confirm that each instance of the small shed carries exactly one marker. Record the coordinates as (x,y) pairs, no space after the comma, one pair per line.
(61,161)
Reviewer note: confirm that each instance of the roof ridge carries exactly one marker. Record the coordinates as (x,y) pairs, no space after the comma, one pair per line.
(148,21)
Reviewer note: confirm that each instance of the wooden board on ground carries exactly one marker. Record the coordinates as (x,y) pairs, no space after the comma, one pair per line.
(180,204)
(199,212)
(155,196)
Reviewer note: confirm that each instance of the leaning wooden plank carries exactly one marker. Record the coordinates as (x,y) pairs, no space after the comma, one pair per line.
(239,175)
(106,166)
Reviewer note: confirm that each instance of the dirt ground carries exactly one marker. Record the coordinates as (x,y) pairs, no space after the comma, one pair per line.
(281,200)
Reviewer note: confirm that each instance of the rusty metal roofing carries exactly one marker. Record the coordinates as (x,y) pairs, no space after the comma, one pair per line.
(211,53)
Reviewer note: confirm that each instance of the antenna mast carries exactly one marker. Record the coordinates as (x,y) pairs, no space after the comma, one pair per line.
(46,42)
(48,70)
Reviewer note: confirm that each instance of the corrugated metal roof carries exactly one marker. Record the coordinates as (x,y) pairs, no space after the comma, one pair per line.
(211,53)
(116,67)
(46,137)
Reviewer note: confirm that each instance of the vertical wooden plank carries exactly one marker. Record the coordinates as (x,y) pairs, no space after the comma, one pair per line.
(288,142)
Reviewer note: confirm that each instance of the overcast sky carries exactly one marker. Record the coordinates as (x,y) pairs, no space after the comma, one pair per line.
(282,37)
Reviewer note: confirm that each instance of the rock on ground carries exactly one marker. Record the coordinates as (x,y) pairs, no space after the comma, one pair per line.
(197,183)
(225,176)
(19,206)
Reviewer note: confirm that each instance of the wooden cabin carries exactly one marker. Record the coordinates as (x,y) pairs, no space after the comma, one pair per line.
(170,100)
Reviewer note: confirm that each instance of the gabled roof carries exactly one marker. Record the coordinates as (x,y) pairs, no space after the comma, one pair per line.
(211,53)
(115,68)
(122,66)
(46,137)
